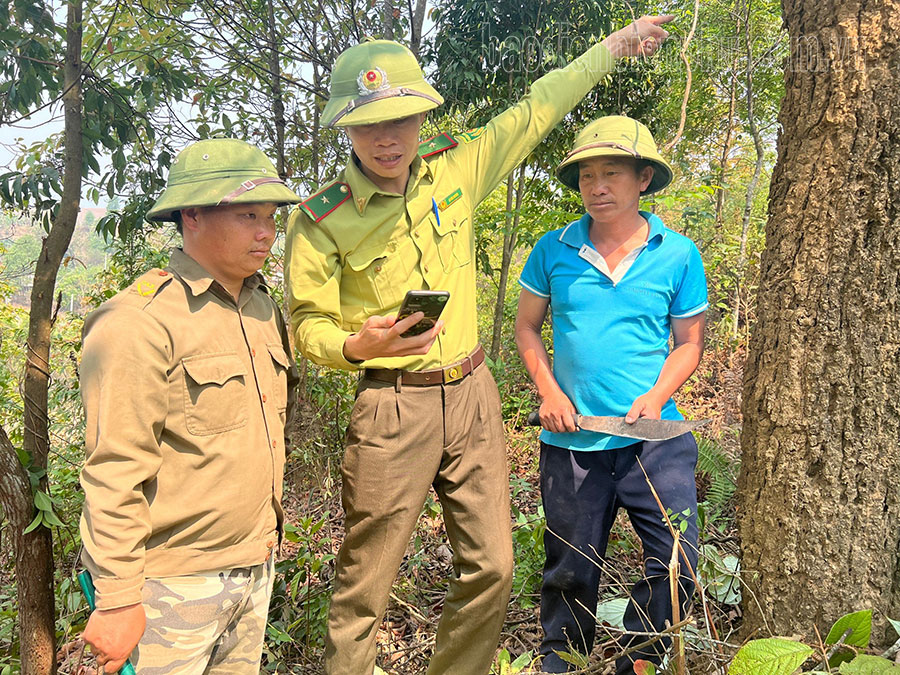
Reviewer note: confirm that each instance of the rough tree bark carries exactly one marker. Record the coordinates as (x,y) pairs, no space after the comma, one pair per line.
(819,506)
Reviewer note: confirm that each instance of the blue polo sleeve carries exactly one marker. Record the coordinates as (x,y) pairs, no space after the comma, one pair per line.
(690,295)
(535,275)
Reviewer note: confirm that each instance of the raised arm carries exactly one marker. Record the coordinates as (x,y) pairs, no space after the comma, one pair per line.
(508,138)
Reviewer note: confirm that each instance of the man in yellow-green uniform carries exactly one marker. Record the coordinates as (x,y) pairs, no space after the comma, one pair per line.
(400,217)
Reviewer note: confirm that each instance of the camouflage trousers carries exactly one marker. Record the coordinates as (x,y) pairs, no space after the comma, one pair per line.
(205,623)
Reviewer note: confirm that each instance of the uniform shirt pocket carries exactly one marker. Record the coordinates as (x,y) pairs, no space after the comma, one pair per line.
(215,393)
(453,238)
(280,363)
(379,275)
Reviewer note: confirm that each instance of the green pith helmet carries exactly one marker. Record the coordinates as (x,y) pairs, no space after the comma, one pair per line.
(615,136)
(220,171)
(376,81)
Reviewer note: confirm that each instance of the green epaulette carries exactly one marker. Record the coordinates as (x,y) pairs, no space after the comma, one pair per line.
(437,144)
(326,200)
(146,286)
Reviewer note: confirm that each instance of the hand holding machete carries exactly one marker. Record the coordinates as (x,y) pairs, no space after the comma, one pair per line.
(642,429)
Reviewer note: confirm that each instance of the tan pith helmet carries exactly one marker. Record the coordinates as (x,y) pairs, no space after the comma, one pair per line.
(615,136)
(220,171)
(376,81)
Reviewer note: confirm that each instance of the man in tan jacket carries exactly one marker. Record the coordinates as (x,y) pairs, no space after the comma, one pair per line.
(185,378)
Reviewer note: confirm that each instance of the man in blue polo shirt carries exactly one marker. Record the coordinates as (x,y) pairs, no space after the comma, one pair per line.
(618,283)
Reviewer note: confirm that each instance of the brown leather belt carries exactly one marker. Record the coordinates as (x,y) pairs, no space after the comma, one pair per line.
(428,378)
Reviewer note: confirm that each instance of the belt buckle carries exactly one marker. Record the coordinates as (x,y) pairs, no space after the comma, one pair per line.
(452,373)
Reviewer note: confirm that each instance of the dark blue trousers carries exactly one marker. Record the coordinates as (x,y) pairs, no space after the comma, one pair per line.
(582,492)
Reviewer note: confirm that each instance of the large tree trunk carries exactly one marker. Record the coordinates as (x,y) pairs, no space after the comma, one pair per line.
(819,510)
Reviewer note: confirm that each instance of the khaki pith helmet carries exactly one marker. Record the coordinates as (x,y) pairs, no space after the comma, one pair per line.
(615,136)
(376,81)
(220,171)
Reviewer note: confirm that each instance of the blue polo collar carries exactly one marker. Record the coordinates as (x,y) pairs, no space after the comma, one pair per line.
(576,233)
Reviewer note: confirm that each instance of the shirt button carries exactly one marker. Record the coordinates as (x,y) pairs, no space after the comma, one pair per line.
(252,352)
(274,443)
(416,234)
(426,269)
(264,398)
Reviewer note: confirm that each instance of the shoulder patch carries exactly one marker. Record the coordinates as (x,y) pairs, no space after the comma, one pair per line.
(325,201)
(146,286)
(471,134)
(437,144)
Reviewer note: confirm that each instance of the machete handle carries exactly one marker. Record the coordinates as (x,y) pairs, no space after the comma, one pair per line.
(87,587)
(534,419)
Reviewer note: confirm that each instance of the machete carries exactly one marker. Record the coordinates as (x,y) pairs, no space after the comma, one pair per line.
(643,429)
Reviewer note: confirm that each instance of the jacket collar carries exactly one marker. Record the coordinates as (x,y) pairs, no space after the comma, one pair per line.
(364,189)
(196,278)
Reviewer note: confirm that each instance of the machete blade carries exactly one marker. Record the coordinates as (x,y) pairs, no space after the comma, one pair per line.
(642,429)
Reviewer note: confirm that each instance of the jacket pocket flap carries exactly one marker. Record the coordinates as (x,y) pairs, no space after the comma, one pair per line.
(213,368)
(446,225)
(360,260)
(279,356)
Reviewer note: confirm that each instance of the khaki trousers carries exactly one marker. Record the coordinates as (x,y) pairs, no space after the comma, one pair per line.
(401,441)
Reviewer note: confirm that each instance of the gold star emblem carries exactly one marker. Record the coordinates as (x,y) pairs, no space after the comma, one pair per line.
(325,200)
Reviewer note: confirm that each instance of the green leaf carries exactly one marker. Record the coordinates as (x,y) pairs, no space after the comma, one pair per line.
(521,662)
(51,519)
(860,623)
(869,665)
(576,659)
(896,625)
(769,656)
(612,612)
(38,519)
(42,501)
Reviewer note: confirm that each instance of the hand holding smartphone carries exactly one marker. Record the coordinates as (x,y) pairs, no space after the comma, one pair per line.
(430,303)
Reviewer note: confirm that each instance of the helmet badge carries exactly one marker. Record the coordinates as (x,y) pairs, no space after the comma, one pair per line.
(372,80)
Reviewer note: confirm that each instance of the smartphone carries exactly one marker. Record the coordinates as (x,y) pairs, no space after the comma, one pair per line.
(430,302)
